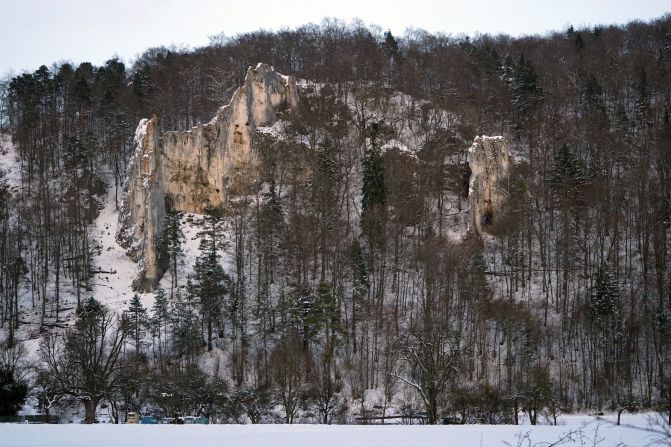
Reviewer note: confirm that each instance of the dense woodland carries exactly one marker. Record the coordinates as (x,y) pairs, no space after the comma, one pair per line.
(346,276)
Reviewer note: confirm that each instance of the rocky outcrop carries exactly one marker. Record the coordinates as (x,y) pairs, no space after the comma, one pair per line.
(205,166)
(489,161)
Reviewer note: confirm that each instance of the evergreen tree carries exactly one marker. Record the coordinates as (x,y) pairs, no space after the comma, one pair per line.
(390,48)
(325,198)
(318,312)
(12,394)
(211,237)
(136,318)
(360,286)
(270,227)
(567,176)
(328,320)
(477,285)
(160,320)
(13,369)
(88,314)
(526,95)
(186,333)
(170,246)
(604,305)
(642,101)
(604,314)
(209,284)
(374,199)
(359,272)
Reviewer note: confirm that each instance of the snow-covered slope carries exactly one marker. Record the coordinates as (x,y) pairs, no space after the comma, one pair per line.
(10,170)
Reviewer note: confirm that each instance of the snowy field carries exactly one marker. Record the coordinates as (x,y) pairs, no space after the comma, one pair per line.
(576,431)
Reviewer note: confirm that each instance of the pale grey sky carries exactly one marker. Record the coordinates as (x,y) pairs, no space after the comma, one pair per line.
(36,32)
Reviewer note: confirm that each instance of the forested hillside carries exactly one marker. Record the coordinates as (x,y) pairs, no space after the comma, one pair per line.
(343,282)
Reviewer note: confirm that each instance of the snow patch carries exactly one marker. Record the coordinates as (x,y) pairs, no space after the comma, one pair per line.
(10,168)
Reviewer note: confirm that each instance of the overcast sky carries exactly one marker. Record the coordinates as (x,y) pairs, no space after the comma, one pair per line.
(36,32)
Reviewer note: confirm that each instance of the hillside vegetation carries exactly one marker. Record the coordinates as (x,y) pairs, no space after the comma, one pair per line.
(344,282)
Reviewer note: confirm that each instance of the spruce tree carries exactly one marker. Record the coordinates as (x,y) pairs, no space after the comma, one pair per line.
(12,393)
(526,93)
(390,48)
(136,317)
(374,192)
(360,285)
(567,177)
(604,304)
(160,320)
(270,227)
(170,246)
(186,332)
(209,283)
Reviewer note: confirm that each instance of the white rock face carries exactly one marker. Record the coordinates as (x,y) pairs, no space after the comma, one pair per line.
(205,166)
(489,160)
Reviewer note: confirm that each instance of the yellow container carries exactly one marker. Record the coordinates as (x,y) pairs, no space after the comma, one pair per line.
(133,418)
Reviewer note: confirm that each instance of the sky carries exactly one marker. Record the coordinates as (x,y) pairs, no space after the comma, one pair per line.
(40,32)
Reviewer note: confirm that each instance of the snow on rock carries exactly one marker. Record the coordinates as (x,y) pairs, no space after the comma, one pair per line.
(489,160)
(205,166)
(397,145)
(275,131)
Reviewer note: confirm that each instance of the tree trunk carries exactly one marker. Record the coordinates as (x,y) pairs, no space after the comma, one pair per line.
(209,333)
(90,406)
(432,412)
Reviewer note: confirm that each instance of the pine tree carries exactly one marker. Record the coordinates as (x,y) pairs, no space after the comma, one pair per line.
(12,393)
(270,227)
(88,313)
(567,176)
(186,333)
(374,199)
(136,317)
(328,311)
(526,95)
(160,320)
(642,101)
(390,48)
(604,306)
(477,285)
(211,237)
(360,285)
(604,314)
(325,197)
(170,246)
(359,272)
(209,284)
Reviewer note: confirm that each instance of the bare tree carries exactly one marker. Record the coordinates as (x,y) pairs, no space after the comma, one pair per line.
(434,362)
(287,361)
(85,363)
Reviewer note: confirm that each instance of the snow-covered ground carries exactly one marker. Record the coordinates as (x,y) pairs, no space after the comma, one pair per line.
(577,431)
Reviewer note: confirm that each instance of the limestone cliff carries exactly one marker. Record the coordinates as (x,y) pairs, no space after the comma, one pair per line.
(489,160)
(187,171)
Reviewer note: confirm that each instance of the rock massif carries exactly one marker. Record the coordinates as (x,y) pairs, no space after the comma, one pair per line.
(205,166)
(489,160)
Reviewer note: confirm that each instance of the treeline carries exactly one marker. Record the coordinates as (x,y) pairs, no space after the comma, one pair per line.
(346,273)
